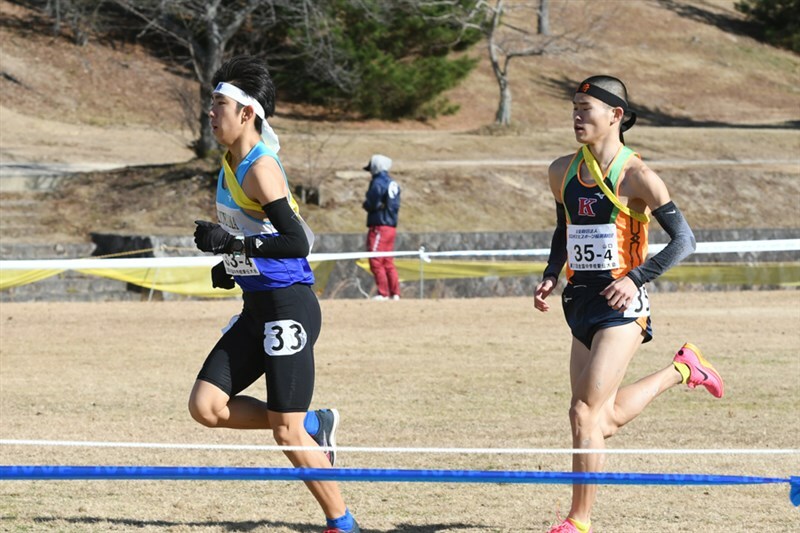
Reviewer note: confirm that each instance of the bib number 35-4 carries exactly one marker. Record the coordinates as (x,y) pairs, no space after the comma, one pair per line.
(592,247)
(284,337)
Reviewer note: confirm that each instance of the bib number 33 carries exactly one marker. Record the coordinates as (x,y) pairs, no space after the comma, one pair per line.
(640,306)
(284,337)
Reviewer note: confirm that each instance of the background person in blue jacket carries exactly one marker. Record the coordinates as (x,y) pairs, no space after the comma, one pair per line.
(382,205)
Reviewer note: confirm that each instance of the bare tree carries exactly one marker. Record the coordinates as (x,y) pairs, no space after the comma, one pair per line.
(522,28)
(79,15)
(204,28)
(511,35)
(302,35)
(317,162)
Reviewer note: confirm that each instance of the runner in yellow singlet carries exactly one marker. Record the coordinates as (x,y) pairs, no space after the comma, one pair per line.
(603,194)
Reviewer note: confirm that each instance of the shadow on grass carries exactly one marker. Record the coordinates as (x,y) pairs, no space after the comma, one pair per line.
(728,23)
(653,116)
(244,526)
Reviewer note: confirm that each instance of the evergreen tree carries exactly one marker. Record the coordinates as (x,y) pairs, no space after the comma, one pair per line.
(379,59)
(778,21)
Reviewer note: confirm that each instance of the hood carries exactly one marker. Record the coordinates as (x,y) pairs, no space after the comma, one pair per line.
(378,163)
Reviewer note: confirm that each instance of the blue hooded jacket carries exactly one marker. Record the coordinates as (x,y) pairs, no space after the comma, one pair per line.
(382,202)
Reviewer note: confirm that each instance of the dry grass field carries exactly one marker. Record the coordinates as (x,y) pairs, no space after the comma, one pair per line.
(414,373)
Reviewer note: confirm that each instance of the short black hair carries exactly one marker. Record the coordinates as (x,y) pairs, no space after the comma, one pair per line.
(610,84)
(616,90)
(250,75)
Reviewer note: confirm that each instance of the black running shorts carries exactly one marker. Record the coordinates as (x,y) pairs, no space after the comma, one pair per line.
(587,312)
(274,336)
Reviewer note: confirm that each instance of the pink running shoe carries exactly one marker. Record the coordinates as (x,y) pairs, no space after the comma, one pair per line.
(700,371)
(565,527)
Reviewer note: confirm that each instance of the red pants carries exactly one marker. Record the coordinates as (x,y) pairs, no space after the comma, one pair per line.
(381,239)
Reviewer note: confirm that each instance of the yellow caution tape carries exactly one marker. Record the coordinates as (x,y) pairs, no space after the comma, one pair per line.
(196,281)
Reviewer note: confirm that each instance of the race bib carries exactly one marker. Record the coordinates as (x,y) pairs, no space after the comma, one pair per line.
(239,265)
(640,306)
(592,247)
(284,337)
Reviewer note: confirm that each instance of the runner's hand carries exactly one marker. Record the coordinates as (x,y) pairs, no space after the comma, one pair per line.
(220,279)
(543,290)
(210,237)
(620,293)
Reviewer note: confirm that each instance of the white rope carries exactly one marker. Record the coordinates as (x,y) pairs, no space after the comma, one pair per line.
(774,245)
(369,449)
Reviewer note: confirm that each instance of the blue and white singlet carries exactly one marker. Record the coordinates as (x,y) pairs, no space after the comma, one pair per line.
(256,273)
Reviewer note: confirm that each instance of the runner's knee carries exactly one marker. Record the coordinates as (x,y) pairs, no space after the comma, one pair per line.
(203,413)
(286,436)
(582,415)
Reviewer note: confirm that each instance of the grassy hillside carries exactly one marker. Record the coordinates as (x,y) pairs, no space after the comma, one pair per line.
(686,63)
(704,91)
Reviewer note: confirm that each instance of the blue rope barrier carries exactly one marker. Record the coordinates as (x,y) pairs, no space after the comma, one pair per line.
(65,472)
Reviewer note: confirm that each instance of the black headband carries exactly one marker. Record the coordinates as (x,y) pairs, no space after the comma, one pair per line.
(611,99)
(604,96)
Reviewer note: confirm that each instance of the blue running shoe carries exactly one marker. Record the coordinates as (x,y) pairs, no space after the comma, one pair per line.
(326,436)
(354,529)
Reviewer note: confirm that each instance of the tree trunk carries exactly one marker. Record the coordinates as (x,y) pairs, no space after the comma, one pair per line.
(543,16)
(207,67)
(503,116)
(207,60)
(55,12)
(206,143)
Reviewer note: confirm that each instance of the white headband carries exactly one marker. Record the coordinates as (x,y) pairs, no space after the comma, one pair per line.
(232,91)
(235,93)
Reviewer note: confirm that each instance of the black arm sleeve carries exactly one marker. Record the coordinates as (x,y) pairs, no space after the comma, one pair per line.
(291,240)
(681,244)
(558,246)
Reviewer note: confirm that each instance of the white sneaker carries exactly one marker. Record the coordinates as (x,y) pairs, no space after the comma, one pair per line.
(379,297)
(396,297)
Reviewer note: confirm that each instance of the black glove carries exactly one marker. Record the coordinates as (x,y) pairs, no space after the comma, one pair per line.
(220,279)
(210,237)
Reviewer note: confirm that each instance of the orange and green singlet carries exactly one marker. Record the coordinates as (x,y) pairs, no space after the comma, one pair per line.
(605,239)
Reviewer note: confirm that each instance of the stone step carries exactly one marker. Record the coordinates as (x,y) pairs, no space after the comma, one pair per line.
(13,215)
(14,203)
